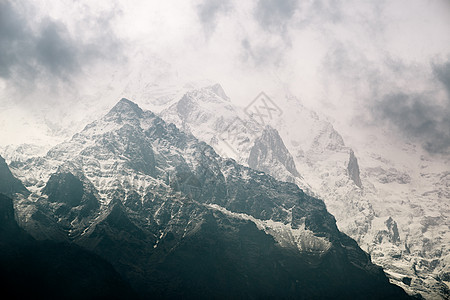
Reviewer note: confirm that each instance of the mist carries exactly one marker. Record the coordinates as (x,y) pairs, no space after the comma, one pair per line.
(383,62)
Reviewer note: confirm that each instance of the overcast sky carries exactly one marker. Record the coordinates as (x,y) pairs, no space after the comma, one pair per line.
(371,62)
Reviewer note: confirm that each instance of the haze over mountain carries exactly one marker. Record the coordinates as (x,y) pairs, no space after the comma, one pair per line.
(364,65)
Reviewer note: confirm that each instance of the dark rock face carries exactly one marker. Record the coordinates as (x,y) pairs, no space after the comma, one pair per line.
(390,234)
(198,225)
(49,270)
(64,188)
(353,169)
(269,151)
(406,280)
(393,230)
(9,185)
(70,199)
(226,257)
(9,230)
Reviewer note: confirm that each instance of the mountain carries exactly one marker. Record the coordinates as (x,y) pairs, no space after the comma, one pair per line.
(179,221)
(50,270)
(367,186)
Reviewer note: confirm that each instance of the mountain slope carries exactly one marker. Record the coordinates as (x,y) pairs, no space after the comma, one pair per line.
(363,189)
(177,220)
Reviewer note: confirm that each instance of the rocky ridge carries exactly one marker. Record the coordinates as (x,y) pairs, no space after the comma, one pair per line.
(159,204)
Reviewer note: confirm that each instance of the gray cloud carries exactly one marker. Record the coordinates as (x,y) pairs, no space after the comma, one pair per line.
(274,15)
(208,12)
(45,50)
(56,51)
(418,117)
(262,55)
(13,38)
(442,72)
(327,11)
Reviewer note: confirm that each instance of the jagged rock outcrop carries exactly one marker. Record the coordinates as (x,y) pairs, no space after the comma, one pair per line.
(390,234)
(353,169)
(269,154)
(393,230)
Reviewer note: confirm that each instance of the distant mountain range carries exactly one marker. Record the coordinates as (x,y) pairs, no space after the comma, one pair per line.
(177,220)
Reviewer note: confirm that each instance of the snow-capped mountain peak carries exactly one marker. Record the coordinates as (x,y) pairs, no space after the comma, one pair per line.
(126,108)
(140,192)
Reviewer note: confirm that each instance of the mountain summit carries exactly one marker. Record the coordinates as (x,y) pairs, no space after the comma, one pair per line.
(125,109)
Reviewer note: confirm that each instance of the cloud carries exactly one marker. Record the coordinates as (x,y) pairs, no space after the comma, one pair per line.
(13,38)
(262,55)
(419,117)
(55,50)
(270,40)
(45,50)
(328,11)
(382,89)
(341,58)
(442,72)
(209,10)
(274,15)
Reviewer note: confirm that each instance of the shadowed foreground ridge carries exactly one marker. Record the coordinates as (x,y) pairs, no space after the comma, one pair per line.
(51,270)
(178,221)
